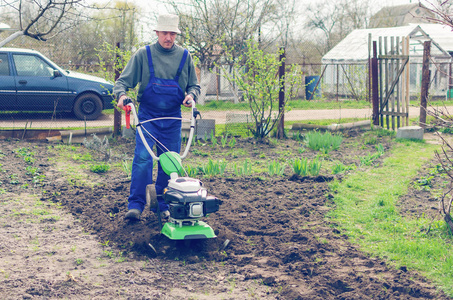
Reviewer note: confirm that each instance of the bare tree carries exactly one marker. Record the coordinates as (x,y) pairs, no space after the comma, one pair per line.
(77,29)
(210,26)
(112,25)
(39,19)
(335,20)
(443,119)
(442,10)
(284,21)
(323,18)
(45,19)
(357,14)
(444,157)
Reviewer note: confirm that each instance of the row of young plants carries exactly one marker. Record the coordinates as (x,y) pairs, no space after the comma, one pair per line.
(317,141)
(299,166)
(302,167)
(324,142)
(225,140)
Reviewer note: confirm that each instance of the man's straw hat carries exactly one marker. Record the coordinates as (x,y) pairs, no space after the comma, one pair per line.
(168,23)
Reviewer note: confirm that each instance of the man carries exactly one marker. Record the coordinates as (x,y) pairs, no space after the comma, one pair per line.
(166,77)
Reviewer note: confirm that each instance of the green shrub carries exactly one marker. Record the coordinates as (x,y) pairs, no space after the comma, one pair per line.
(232,142)
(276,168)
(127,167)
(324,142)
(304,167)
(370,158)
(101,168)
(214,168)
(341,168)
(244,170)
(314,167)
(192,171)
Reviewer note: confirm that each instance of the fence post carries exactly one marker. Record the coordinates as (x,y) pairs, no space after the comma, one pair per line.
(116,112)
(281,95)
(369,82)
(425,83)
(375,85)
(450,81)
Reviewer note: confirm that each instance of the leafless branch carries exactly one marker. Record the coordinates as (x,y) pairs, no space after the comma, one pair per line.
(44,19)
(442,12)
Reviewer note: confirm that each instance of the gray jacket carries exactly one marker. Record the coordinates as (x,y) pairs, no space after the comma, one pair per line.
(165,62)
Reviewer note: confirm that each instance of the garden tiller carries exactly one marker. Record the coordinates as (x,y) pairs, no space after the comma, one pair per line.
(188,200)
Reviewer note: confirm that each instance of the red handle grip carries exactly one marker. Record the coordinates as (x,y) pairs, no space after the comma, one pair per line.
(127,109)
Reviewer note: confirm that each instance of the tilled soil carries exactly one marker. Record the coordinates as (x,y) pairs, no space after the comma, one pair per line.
(64,236)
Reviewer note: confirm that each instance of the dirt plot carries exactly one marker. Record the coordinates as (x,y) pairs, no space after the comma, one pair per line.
(63,234)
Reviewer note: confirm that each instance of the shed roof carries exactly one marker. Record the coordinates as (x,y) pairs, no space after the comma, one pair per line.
(354,47)
(441,34)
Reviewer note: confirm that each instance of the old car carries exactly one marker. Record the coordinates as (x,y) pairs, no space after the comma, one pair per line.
(29,81)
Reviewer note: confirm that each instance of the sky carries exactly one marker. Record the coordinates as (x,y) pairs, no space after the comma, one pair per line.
(151,7)
(154,5)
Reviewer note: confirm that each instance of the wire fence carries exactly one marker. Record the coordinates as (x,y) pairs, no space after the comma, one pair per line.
(321,82)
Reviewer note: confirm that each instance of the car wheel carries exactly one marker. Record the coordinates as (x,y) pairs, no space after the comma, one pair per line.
(87,107)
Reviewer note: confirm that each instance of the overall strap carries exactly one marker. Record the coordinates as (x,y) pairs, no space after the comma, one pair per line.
(150,61)
(181,64)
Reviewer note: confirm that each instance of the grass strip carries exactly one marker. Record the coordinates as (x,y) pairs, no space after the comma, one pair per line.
(366,211)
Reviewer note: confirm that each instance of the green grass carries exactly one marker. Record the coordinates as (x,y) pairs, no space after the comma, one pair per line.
(73,161)
(325,104)
(313,104)
(233,129)
(292,104)
(223,105)
(326,122)
(110,111)
(366,210)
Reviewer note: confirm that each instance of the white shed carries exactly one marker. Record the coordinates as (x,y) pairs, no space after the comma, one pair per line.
(346,65)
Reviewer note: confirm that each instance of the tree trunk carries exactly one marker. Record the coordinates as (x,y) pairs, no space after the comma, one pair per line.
(449,221)
(425,82)
(281,96)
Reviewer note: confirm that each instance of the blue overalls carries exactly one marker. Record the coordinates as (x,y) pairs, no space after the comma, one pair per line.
(161,98)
